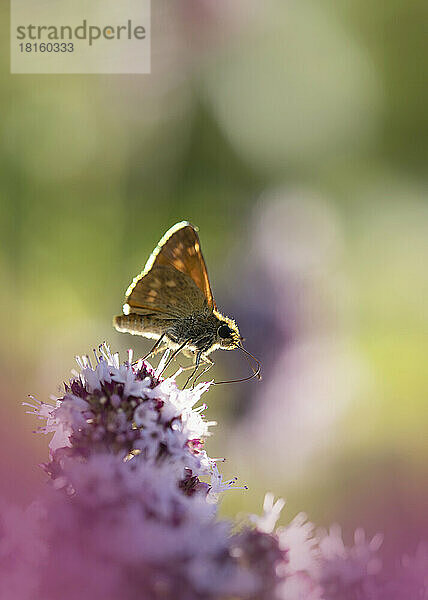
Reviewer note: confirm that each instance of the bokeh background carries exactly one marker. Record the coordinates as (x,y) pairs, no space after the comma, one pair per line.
(295,135)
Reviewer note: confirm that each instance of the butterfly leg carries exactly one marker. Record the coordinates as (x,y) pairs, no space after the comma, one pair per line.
(156,347)
(173,355)
(196,366)
(209,363)
(184,369)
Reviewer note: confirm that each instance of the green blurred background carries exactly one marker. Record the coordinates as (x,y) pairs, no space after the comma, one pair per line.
(295,135)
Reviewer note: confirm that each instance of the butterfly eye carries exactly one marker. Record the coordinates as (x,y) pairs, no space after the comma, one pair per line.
(224,331)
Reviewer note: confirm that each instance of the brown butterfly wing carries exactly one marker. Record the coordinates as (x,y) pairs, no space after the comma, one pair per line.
(174,282)
(164,293)
(180,248)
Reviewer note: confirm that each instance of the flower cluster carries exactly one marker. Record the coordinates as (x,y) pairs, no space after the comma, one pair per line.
(128,514)
(138,535)
(129,509)
(129,411)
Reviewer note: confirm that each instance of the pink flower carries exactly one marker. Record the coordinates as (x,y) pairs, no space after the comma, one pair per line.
(126,410)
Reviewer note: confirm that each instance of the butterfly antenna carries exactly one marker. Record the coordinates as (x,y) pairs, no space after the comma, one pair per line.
(256,372)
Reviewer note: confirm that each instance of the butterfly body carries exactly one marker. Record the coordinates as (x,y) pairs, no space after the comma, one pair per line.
(198,330)
(171,300)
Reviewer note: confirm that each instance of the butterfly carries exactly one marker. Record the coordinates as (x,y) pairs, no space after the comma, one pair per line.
(171,301)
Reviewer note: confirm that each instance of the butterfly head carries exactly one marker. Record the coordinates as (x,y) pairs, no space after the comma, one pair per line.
(228,336)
